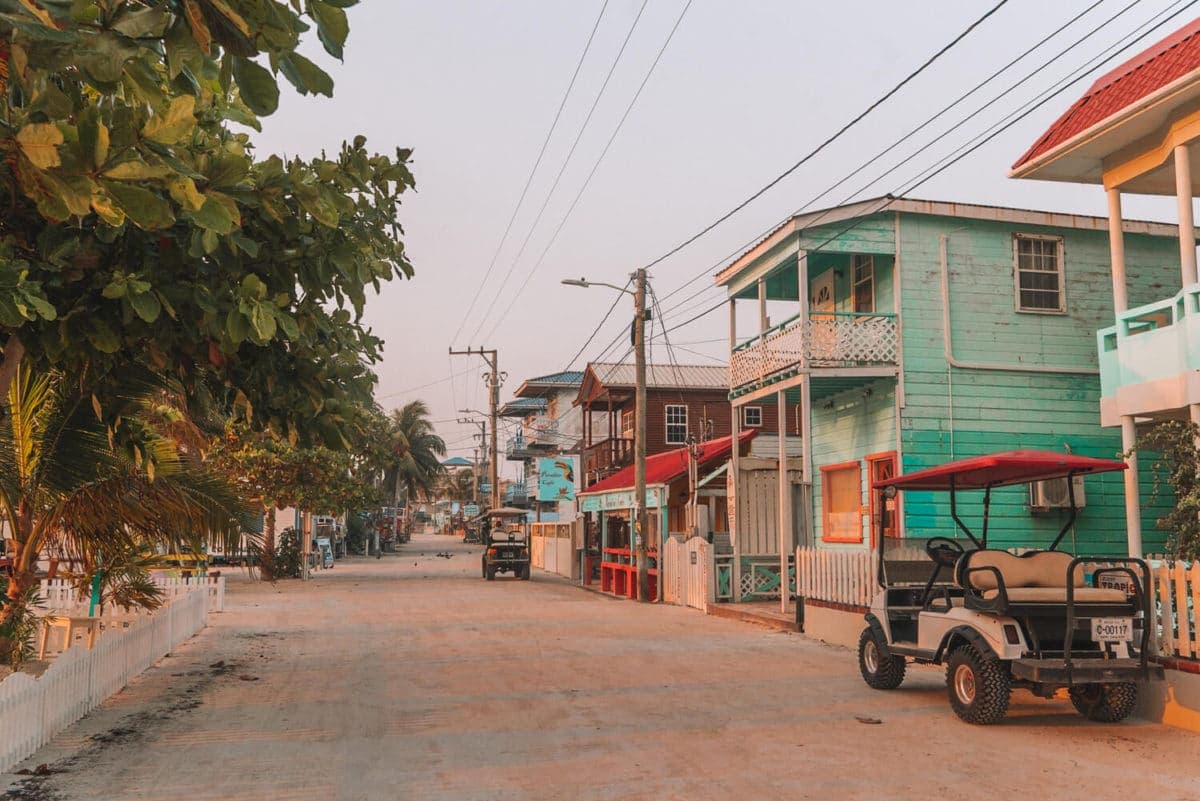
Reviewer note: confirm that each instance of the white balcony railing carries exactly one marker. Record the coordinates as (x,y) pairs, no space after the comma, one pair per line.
(825,339)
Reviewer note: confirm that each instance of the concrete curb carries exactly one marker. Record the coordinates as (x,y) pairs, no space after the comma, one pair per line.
(731,612)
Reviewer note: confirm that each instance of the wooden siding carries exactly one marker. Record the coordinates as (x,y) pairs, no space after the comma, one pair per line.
(848,427)
(955,413)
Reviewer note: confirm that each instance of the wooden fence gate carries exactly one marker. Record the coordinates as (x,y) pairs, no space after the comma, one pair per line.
(687,572)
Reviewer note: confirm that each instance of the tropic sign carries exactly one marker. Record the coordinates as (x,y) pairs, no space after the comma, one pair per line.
(556,478)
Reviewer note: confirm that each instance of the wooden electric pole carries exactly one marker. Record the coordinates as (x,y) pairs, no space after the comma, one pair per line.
(494,378)
(639,435)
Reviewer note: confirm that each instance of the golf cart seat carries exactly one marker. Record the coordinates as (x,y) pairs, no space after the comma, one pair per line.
(995,580)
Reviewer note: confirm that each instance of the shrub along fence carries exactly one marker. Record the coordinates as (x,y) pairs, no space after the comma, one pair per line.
(33,710)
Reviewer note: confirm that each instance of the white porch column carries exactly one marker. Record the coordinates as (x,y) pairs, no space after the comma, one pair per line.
(802,297)
(735,503)
(1116,250)
(1133,501)
(763,323)
(1187,225)
(785,500)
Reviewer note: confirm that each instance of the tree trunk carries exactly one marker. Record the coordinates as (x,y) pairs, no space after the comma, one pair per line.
(14,351)
(267,568)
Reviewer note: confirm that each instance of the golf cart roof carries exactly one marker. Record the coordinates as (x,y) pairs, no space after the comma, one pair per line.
(1001,470)
(507,511)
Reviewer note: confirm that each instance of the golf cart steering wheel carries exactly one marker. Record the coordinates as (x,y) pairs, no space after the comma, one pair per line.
(943,550)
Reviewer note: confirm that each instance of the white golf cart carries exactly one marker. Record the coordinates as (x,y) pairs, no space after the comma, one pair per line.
(1041,620)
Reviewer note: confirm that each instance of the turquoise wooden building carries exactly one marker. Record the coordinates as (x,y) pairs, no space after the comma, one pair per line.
(912,332)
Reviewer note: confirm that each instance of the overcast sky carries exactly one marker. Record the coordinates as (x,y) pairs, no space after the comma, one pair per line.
(743,90)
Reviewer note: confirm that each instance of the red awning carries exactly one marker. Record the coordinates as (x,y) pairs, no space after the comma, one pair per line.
(663,468)
(1001,470)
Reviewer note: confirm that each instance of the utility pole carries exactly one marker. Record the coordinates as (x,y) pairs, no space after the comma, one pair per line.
(640,314)
(494,379)
(639,433)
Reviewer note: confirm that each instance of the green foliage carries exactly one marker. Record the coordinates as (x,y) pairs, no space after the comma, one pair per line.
(413,464)
(140,228)
(125,579)
(1176,463)
(289,559)
(358,532)
(19,627)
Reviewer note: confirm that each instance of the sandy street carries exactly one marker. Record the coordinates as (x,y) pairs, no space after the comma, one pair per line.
(412,678)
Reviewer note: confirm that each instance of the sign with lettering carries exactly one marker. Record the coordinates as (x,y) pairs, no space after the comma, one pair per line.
(556,478)
(620,499)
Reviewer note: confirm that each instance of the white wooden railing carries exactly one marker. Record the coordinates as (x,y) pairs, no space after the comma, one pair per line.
(59,595)
(827,339)
(840,577)
(687,573)
(33,710)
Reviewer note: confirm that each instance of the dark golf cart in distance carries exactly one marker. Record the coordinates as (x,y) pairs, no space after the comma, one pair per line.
(1042,620)
(506,541)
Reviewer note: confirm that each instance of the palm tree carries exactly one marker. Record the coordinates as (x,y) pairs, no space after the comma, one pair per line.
(87,489)
(458,485)
(415,462)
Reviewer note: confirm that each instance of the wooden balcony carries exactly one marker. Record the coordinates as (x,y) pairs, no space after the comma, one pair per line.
(1150,360)
(825,340)
(607,456)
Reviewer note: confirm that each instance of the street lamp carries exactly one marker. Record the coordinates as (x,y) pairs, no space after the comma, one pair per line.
(639,413)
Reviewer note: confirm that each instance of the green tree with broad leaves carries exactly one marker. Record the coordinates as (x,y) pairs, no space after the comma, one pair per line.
(139,227)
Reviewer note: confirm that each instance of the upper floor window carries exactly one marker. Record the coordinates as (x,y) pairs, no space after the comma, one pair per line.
(863,270)
(752,416)
(677,424)
(1038,273)
(627,423)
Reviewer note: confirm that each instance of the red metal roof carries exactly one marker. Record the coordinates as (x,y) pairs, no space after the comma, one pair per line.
(1001,470)
(1147,72)
(663,468)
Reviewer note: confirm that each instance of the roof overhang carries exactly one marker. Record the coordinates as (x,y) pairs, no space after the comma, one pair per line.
(1085,157)
(1002,470)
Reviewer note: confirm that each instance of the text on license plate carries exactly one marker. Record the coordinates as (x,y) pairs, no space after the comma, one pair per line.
(1112,629)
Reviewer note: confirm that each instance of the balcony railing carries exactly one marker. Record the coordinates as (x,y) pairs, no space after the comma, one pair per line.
(606,456)
(825,339)
(1152,342)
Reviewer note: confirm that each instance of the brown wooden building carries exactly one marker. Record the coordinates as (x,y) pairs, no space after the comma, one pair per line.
(682,401)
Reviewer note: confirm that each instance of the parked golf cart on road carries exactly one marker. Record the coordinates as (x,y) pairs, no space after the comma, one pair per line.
(506,544)
(1042,621)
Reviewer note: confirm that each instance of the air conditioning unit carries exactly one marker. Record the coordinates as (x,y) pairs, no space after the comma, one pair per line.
(1053,494)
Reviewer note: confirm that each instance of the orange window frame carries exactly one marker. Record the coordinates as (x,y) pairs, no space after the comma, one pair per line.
(893,529)
(827,500)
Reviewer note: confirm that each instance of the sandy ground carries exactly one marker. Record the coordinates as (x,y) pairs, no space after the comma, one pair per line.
(412,678)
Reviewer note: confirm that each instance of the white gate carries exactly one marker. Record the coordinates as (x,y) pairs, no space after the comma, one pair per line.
(686,572)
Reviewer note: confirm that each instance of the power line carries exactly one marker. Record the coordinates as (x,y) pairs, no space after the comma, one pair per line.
(775,181)
(557,178)
(951,130)
(537,163)
(587,181)
(596,331)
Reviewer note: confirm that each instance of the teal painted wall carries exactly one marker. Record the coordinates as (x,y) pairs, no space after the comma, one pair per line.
(957,413)
(848,427)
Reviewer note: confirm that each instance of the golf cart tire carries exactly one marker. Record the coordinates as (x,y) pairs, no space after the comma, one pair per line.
(483,562)
(883,671)
(987,683)
(1105,703)
(489,573)
(525,573)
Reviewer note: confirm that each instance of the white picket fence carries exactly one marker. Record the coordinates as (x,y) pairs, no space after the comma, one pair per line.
(842,577)
(1177,601)
(33,710)
(59,595)
(687,573)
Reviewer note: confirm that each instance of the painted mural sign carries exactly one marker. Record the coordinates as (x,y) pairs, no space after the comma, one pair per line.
(556,478)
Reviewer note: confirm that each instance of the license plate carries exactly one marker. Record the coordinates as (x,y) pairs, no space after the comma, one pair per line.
(1112,629)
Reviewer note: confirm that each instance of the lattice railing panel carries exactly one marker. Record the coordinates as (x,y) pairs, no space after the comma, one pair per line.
(827,339)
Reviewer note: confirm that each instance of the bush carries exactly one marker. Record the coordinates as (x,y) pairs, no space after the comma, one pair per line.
(18,632)
(1176,463)
(289,560)
(358,533)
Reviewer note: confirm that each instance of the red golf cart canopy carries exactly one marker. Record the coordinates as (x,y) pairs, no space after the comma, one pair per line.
(1002,470)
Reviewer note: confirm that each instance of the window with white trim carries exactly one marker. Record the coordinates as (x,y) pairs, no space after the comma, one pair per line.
(862,268)
(752,416)
(1038,273)
(677,424)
